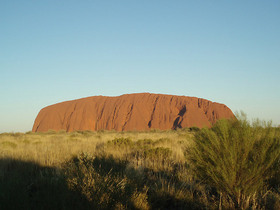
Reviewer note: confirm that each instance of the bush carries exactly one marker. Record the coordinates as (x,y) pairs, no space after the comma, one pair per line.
(235,158)
(194,129)
(104,183)
(120,142)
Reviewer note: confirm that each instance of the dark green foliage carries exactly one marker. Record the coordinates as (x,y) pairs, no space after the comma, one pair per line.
(236,158)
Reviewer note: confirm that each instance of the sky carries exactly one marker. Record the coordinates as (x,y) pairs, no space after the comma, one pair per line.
(224,51)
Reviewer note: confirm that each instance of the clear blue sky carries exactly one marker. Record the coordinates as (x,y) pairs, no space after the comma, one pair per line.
(223,51)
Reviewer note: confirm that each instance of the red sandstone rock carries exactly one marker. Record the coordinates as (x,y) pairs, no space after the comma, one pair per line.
(142,111)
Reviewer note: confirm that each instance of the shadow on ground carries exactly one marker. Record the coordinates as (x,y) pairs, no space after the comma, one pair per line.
(127,187)
(98,183)
(27,185)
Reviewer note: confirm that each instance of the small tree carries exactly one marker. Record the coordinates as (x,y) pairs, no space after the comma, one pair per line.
(235,157)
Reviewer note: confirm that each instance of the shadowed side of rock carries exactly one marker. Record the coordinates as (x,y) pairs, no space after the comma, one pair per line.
(142,111)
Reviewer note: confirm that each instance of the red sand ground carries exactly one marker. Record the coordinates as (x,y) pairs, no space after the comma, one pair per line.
(142,111)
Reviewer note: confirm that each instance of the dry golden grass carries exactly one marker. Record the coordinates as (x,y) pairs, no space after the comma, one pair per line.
(59,160)
(54,148)
(116,170)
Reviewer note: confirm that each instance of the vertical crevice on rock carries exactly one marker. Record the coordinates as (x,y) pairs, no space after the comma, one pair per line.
(128,116)
(183,111)
(199,102)
(178,121)
(99,116)
(38,126)
(69,118)
(114,114)
(153,112)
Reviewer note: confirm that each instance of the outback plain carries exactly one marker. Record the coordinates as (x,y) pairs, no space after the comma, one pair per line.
(130,105)
(233,165)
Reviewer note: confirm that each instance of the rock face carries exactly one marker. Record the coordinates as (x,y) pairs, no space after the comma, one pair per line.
(142,111)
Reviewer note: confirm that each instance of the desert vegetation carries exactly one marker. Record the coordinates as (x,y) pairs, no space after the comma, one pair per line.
(233,165)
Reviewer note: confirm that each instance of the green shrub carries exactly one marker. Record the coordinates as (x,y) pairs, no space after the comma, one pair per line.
(120,142)
(235,158)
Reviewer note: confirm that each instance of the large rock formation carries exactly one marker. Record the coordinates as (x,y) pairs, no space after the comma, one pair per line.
(142,111)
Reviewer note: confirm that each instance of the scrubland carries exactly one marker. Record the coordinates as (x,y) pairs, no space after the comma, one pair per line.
(234,165)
